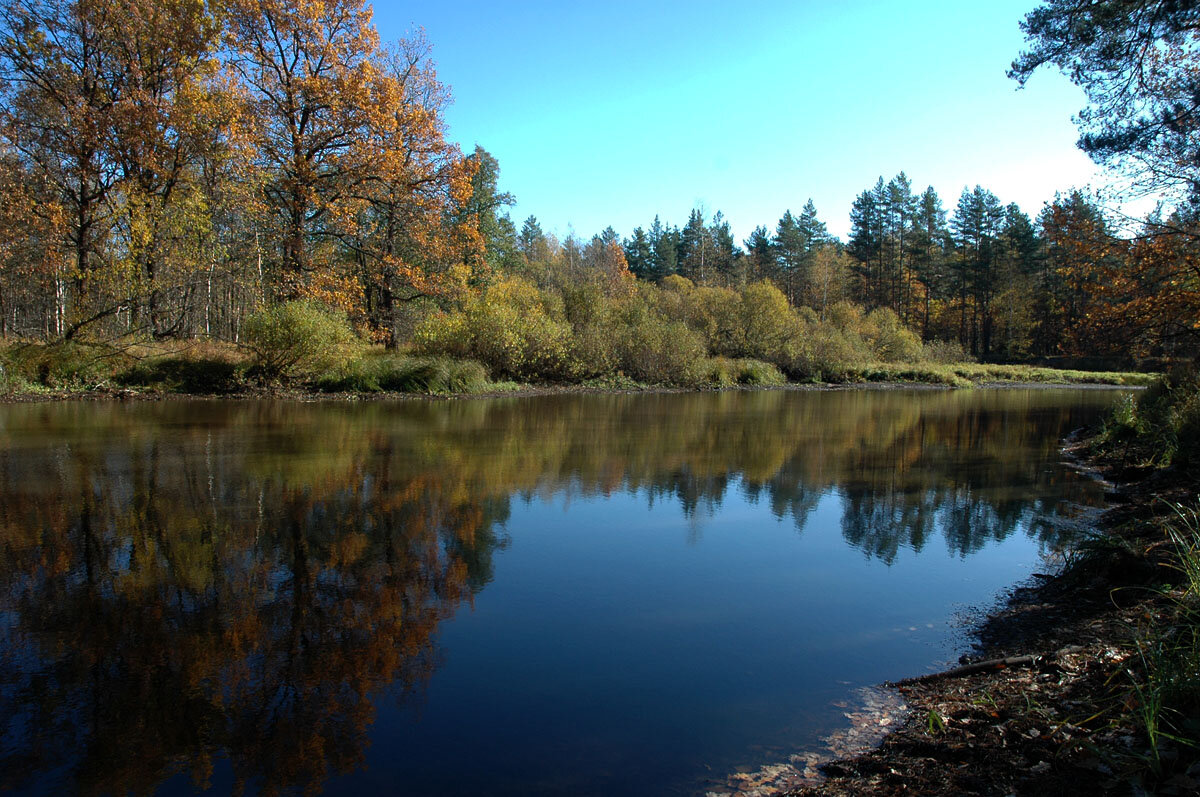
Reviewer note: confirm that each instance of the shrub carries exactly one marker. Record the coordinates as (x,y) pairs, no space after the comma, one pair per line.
(183,374)
(1162,425)
(593,354)
(757,372)
(654,350)
(826,353)
(433,375)
(770,328)
(354,376)
(402,374)
(63,364)
(715,314)
(511,328)
(719,372)
(297,340)
(889,339)
(946,352)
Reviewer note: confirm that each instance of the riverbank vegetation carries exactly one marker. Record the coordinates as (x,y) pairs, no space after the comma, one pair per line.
(184,173)
(511,335)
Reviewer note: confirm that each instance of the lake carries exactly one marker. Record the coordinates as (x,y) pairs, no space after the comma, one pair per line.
(578,594)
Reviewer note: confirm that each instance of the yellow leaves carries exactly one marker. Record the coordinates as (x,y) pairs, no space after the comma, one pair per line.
(337,290)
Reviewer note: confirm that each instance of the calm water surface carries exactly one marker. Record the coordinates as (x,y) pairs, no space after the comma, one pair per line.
(559,595)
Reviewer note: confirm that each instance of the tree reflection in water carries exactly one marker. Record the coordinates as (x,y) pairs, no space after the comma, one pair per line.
(183,582)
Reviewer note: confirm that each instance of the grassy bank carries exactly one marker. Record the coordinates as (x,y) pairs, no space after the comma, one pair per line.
(194,368)
(514,333)
(33,369)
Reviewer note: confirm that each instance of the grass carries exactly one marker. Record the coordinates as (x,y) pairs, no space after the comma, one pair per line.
(1168,697)
(182,374)
(971,374)
(194,367)
(404,374)
(725,372)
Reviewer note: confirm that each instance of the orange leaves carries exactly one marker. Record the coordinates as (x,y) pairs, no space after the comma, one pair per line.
(1137,296)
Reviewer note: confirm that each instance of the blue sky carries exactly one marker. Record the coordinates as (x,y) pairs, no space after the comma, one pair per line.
(612,112)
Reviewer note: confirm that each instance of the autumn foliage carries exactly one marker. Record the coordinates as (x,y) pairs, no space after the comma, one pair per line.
(180,163)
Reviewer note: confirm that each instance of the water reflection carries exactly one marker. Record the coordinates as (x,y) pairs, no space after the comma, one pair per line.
(186,582)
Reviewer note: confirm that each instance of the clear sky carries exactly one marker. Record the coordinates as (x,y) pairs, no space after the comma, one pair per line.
(607,113)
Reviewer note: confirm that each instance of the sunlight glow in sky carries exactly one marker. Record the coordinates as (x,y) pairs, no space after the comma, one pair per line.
(609,113)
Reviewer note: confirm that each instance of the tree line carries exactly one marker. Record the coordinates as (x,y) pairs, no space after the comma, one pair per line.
(172,166)
(987,276)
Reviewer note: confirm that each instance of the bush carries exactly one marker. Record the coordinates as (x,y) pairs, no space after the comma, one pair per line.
(757,372)
(63,364)
(656,351)
(1162,425)
(204,375)
(770,328)
(512,329)
(593,354)
(406,375)
(298,340)
(946,352)
(889,339)
(826,353)
(719,372)
(354,376)
(433,375)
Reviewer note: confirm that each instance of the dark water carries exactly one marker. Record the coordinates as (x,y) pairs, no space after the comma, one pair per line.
(562,595)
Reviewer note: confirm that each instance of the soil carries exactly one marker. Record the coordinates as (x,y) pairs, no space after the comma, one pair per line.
(1057,722)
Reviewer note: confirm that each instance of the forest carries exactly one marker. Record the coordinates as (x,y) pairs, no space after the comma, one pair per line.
(273,181)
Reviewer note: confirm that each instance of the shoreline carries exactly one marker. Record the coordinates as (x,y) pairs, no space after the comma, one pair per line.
(1029,711)
(521,391)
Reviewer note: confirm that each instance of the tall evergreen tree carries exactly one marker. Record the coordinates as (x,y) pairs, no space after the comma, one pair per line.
(866,243)
(976,224)
(930,246)
(531,241)
(485,204)
(900,207)
(639,253)
(759,252)
(725,251)
(1016,268)
(790,250)
(1071,227)
(695,248)
(664,241)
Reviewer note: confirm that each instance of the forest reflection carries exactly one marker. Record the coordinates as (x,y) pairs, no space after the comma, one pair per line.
(190,581)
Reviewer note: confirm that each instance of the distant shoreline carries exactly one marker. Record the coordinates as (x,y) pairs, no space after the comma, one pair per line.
(522,391)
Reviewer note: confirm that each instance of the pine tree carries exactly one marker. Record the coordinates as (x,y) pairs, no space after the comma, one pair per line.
(900,207)
(866,244)
(760,253)
(695,248)
(930,246)
(664,241)
(977,223)
(532,241)
(725,251)
(639,253)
